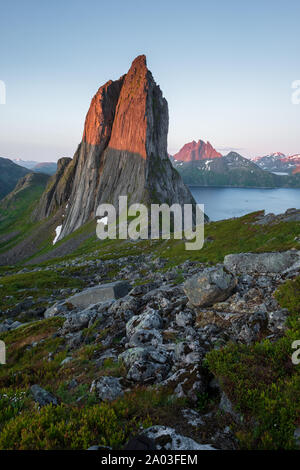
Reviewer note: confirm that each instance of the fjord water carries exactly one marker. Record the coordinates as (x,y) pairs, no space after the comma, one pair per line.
(224,203)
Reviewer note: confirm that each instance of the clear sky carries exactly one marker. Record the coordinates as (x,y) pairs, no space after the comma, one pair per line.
(225,67)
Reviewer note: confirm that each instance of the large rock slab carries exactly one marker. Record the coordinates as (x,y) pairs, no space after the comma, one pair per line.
(272,262)
(101,293)
(209,286)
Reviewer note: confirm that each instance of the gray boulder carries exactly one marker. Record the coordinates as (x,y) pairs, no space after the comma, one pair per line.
(209,286)
(273,262)
(277,320)
(166,438)
(147,364)
(107,388)
(42,397)
(227,407)
(186,383)
(148,320)
(143,337)
(101,293)
(78,321)
(59,308)
(124,308)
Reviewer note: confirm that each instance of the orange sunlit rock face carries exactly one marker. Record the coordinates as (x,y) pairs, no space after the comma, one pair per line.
(130,124)
(194,151)
(99,119)
(124,125)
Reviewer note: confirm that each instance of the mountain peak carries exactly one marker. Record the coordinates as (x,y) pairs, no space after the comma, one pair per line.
(139,61)
(195,151)
(124,144)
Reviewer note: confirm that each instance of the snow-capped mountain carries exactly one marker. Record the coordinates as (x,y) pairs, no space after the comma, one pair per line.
(278,162)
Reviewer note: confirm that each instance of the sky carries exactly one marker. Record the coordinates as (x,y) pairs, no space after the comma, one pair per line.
(225,68)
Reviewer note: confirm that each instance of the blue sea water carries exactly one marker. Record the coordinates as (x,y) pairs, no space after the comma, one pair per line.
(225,203)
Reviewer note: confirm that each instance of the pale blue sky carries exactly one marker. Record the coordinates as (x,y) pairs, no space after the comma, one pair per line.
(225,67)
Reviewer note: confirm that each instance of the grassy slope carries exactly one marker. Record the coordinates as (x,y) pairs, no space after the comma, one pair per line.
(10,173)
(15,213)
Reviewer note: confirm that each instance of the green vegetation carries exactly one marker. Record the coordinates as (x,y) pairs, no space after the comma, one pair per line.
(80,420)
(16,210)
(17,287)
(223,237)
(260,379)
(10,173)
(262,382)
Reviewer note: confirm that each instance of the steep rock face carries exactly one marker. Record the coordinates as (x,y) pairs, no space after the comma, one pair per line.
(123,152)
(57,191)
(88,160)
(195,151)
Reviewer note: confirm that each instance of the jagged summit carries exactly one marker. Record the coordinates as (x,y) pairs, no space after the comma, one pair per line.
(195,151)
(123,152)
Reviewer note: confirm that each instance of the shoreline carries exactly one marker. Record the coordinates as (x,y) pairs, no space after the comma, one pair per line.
(236,187)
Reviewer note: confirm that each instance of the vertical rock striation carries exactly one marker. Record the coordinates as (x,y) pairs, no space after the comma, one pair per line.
(123,151)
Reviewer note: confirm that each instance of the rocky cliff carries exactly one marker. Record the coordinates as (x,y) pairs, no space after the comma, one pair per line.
(123,152)
(57,191)
(195,151)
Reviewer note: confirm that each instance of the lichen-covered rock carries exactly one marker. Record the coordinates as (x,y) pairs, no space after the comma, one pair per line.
(209,286)
(147,364)
(142,337)
(77,321)
(149,319)
(227,407)
(166,438)
(107,388)
(186,383)
(59,308)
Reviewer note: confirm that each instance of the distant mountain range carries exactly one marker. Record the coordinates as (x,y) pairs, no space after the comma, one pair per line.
(49,168)
(279,162)
(196,168)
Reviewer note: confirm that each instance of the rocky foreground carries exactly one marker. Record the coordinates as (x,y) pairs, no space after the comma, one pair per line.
(154,329)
